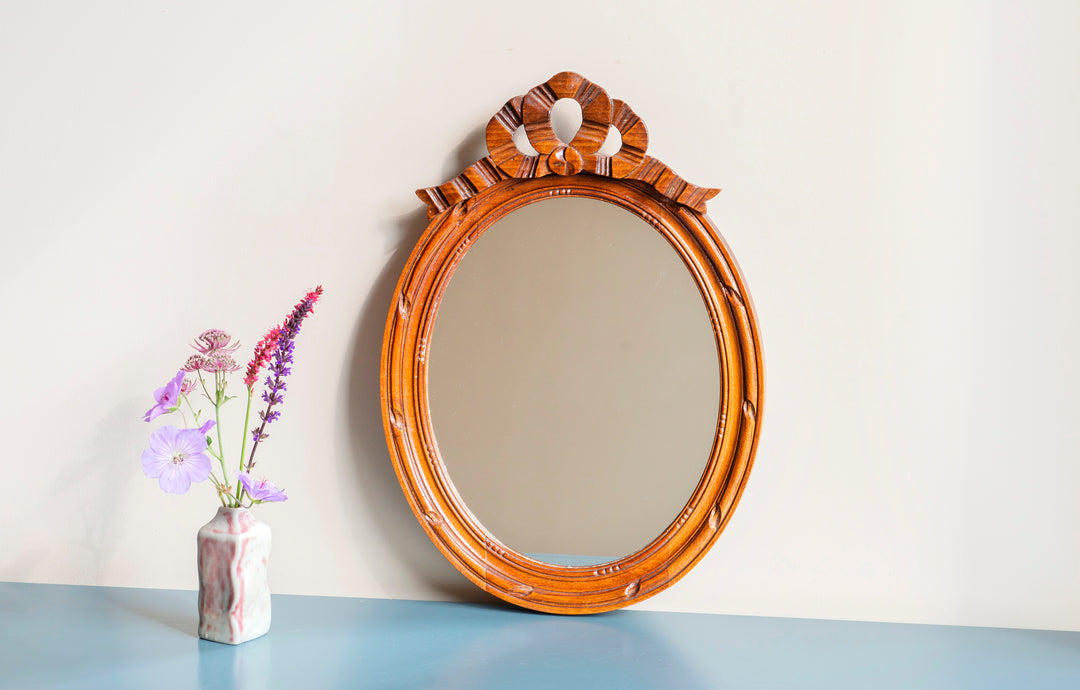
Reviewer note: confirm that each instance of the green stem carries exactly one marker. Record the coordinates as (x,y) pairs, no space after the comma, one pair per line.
(194,413)
(203,384)
(243,446)
(213,452)
(217,424)
(217,411)
(220,486)
(220,454)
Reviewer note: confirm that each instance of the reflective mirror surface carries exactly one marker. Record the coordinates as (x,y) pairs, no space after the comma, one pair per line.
(573,381)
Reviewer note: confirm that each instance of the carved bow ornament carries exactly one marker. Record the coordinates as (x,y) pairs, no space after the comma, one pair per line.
(599,113)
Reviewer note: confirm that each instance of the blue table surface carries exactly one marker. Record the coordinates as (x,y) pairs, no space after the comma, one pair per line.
(104,637)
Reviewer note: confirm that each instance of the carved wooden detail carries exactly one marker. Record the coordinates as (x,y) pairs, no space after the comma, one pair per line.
(461,211)
(581,154)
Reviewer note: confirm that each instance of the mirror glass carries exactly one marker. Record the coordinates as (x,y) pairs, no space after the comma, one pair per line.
(573,381)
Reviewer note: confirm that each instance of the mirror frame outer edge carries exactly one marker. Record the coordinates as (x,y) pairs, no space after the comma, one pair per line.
(420,469)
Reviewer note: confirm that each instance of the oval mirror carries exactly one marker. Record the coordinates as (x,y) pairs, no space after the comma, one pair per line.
(571,375)
(573,382)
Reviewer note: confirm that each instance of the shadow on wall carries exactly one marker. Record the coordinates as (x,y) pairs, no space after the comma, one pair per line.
(386,506)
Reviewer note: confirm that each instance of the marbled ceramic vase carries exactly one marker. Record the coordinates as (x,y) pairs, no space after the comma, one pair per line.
(234,595)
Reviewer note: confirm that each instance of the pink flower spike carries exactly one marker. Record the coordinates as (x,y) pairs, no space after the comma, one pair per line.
(176,458)
(166,398)
(262,491)
(261,358)
(187,386)
(312,295)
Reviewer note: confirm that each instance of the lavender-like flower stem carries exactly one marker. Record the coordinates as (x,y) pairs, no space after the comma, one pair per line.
(276,385)
(282,357)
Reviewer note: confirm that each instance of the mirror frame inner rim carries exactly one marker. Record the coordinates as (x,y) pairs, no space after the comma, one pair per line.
(420,469)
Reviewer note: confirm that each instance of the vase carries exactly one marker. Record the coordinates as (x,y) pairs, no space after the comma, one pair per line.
(234,594)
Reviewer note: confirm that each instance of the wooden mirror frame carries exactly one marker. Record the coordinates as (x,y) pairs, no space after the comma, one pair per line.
(459,212)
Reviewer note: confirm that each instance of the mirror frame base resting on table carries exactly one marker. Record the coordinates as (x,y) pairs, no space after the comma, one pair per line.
(460,211)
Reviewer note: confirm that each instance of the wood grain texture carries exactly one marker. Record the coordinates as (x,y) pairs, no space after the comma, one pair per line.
(581,154)
(660,198)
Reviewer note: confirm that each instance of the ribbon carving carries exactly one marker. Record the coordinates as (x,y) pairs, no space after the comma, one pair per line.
(599,113)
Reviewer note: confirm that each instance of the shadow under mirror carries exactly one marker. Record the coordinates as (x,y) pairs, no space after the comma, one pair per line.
(573,382)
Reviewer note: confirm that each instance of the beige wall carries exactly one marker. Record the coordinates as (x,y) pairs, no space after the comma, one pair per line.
(900,187)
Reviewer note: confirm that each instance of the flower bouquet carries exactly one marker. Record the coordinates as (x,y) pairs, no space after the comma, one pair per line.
(234,596)
(177,457)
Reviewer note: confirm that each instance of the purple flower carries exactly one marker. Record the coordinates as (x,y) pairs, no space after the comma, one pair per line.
(262,491)
(210,424)
(176,458)
(167,398)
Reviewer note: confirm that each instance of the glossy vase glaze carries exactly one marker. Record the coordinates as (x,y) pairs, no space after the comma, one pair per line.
(234,595)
